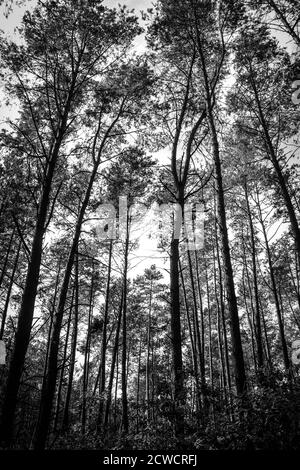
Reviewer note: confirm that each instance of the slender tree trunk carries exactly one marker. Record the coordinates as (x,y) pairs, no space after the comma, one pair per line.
(178,382)
(285,353)
(209,327)
(153,383)
(104,339)
(249,318)
(237,350)
(223,379)
(26,314)
(113,363)
(222,343)
(116,392)
(257,324)
(138,388)
(3,270)
(295,282)
(48,389)
(8,294)
(86,360)
(52,310)
(193,345)
(222,308)
(198,346)
(65,422)
(125,423)
(62,372)
(31,284)
(201,333)
(268,349)
(148,355)
(281,178)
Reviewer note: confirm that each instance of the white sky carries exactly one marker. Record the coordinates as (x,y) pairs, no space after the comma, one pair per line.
(136,4)
(15,17)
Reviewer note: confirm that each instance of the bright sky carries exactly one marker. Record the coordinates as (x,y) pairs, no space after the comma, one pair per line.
(136,4)
(14,18)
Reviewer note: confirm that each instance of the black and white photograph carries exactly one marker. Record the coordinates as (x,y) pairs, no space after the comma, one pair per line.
(149,230)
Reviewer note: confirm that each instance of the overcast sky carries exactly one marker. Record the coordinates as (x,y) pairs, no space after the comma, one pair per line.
(14,19)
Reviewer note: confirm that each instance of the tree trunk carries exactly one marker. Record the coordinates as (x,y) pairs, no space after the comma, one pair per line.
(30,289)
(249,317)
(26,313)
(125,423)
(113,363)
(200,333)
(209,328)
(8,294)
(257,324)
(285,353)
(62,372)
(198,346)
(104,339)
(86,359)
(148,356)
(3,270)
(237,350)
(48,389)
(138,388)
(178,381)
(281,179)
(65,423)
(193,345)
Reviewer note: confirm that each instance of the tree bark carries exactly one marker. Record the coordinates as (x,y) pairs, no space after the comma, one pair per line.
(26,310)
(3,270)
(125,423)
(85,380)
(8,294)
(281,179)
(148,355)
(257,324)
(65,422)
(113,363)
(63,365)
(237,350)
(104,339)
(31,284)
(179,394)
(285,353)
